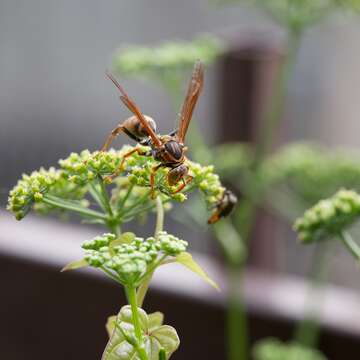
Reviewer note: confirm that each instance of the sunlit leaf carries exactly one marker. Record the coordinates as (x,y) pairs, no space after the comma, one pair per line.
(187,260)
(77,264)
(110,325)
(156,319)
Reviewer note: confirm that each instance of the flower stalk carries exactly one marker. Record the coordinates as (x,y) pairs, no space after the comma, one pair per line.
(131,296)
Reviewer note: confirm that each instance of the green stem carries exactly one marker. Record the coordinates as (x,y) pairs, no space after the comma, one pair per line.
(350,244)
(146,208)
(308,330)
(124,199)
(246,213)
(96,196)
(160,216)
(126,211)
(115,228)
(231,242)
(143,288)
(72,206)
(131,296)
(237,335)
(105,198)
(111,275)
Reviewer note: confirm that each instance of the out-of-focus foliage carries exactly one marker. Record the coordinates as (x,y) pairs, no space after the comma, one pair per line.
(273,349)
(300,13)
(301,173)
(312,172)
(167,63)
(329,217)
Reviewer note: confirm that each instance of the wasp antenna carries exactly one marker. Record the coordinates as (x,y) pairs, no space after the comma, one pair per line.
(115,82)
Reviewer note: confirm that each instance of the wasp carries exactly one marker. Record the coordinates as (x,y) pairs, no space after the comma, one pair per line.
(169,150)
(223,207)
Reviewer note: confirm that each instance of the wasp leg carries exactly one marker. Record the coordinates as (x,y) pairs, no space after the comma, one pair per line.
(185,182)
(152,179)
(121,166)
(213,218)
(114,133)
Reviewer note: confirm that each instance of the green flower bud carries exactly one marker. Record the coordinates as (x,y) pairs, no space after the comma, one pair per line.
(328,217)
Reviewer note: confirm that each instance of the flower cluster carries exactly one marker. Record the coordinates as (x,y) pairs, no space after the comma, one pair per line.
(207,181)
(88,173)
(311,171)
(144,61)
(31,189)
(273,349)
(84,167)
(129,259)
(329,217)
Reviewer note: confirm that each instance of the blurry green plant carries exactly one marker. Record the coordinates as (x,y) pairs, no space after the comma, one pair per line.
(273,349)
(81,185)
(330,218)
(289,181)
(169,63)
(300,14)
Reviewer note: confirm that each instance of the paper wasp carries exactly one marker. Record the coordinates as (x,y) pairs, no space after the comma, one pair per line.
(224,207)
(169,149)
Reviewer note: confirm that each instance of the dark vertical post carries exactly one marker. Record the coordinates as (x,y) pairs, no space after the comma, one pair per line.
(247,75)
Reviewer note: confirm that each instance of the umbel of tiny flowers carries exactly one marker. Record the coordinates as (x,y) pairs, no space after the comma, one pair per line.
(80,186)
(131,261)
(273,349)
(331,218)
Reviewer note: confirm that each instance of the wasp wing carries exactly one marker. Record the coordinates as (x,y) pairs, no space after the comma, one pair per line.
(130,104)
(192,96)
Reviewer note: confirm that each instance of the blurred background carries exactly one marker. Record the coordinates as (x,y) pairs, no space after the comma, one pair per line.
(55,99)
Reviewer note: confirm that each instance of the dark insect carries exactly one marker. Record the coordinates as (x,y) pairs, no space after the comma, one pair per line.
(169,149)
(224,207)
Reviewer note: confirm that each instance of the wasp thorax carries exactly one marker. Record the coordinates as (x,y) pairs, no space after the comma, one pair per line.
(134,126)
(174,149)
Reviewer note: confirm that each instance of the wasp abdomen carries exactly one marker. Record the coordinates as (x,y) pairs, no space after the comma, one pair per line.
(224,207)
(133,126)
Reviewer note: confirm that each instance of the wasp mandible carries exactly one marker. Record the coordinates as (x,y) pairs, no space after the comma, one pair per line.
(169,149)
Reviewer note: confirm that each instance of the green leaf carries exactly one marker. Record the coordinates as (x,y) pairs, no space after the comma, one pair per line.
(77,264)
(187,260)
(110,324)
(125,238)
(156,319)
(165,337)
(158,338)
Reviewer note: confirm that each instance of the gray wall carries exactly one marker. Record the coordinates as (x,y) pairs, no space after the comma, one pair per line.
(54,97)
